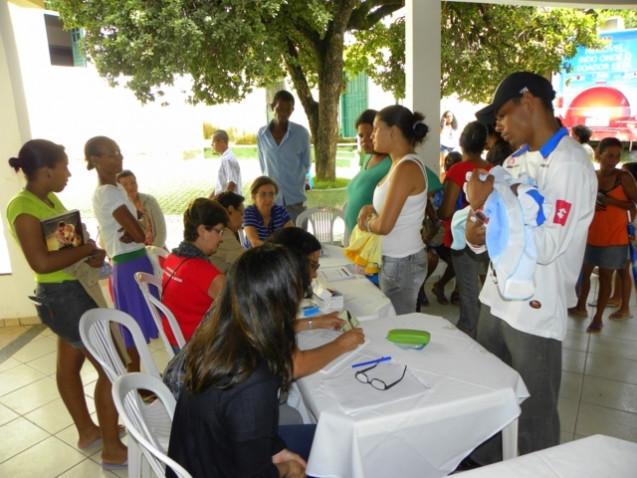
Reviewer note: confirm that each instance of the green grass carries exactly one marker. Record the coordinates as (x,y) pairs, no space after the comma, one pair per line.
(337,183)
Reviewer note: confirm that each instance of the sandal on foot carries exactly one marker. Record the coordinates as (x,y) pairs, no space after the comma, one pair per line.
(594,328)
(439,292)
(620,315)
(114,466)
(577,312)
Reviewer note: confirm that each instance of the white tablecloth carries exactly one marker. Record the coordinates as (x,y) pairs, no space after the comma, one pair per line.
(362,298)
(597,456)
(469,396)
(332,256)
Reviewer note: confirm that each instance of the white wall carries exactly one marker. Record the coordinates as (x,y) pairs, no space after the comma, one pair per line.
(14,130)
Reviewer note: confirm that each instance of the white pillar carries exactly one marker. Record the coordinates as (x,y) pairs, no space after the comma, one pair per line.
(422,70)
(14,131)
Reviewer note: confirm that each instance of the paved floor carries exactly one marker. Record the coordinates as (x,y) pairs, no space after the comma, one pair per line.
(598,395)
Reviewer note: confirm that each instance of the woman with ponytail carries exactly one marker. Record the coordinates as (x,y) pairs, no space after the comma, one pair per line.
(61,300)
(398,207)
(123,238)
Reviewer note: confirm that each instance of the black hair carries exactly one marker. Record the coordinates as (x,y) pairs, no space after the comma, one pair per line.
(608,143)
(282,95)
(452,158)
(125,173)
(203,211)
(454,123)
(583,133)
(253,322)
(366,117)
(500,151)
(93,147)
(221,135)
(301,243)
(473,138)
(631,168)
(36,154)
(411,125)
(229,198)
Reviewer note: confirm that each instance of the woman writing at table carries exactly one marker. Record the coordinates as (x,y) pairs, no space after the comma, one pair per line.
(225,422)
(264,217)
(306,362)
(398,207)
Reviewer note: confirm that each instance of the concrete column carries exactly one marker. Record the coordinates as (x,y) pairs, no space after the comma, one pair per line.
(422,70)
(14,131)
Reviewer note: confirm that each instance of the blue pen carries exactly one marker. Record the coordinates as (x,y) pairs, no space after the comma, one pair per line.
(386,358)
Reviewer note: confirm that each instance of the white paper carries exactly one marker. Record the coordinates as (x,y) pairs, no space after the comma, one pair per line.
(353,395)
(335,274)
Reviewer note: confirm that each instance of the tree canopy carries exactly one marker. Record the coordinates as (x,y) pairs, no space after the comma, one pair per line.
(229,47)
(481,44)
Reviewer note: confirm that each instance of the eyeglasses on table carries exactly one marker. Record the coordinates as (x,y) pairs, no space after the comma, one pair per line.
(377,383)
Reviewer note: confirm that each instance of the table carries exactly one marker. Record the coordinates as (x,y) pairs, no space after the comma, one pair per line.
(591,457)
(471,396)
(362,298)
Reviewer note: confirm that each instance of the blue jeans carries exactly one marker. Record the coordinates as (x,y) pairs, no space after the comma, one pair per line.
(401,279)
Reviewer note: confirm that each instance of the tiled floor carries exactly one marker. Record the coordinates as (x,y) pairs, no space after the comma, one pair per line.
(598,395)
(37,436)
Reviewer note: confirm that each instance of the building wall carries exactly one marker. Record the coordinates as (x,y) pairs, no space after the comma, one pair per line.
(14,287)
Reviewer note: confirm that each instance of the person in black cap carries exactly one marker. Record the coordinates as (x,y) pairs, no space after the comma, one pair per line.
(528,334)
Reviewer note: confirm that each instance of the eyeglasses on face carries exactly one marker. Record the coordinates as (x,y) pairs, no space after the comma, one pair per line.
(218,230)
(377,383)
(314,265)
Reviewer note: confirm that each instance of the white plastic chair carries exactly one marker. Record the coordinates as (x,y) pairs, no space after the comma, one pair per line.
(320,222)
(132,411)
(96,336)
(157,308)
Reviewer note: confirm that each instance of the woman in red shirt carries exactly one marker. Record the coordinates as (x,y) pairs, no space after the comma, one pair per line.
(191,283)
(466,264)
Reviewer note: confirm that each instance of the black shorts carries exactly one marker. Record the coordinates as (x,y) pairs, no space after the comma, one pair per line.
(60,307)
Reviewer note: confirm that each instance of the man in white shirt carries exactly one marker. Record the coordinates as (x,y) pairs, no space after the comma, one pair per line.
(229,175)
(528,334)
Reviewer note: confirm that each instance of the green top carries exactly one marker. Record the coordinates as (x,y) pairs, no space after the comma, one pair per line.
(433,181)
(360,190)
(26,202)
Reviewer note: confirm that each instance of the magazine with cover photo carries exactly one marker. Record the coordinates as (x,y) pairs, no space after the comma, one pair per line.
(63,230)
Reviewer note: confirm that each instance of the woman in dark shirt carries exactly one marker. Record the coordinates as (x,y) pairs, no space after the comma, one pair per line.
(226,420)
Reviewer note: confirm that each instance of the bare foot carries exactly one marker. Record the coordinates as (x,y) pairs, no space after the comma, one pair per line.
(575,312)
(620,314)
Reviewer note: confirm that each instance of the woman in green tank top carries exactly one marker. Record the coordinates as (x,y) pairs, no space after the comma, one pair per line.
(360,190)
(61,299)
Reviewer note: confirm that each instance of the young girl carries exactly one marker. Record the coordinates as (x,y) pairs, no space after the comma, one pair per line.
(61,298)
(226,419)
(399,205)
(607,243)
(123,238)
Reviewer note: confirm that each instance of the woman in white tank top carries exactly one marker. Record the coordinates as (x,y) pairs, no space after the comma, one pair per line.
(398,207)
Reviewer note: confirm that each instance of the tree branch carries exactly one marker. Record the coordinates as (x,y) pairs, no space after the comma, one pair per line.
(363,18)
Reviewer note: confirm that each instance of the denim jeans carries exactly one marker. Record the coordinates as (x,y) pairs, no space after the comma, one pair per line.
(401,278)
(538,360)
(468,267)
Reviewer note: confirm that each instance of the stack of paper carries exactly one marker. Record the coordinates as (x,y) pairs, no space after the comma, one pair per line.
(329,299)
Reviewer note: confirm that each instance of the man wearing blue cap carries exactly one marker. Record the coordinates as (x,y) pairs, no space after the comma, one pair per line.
(528,334)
